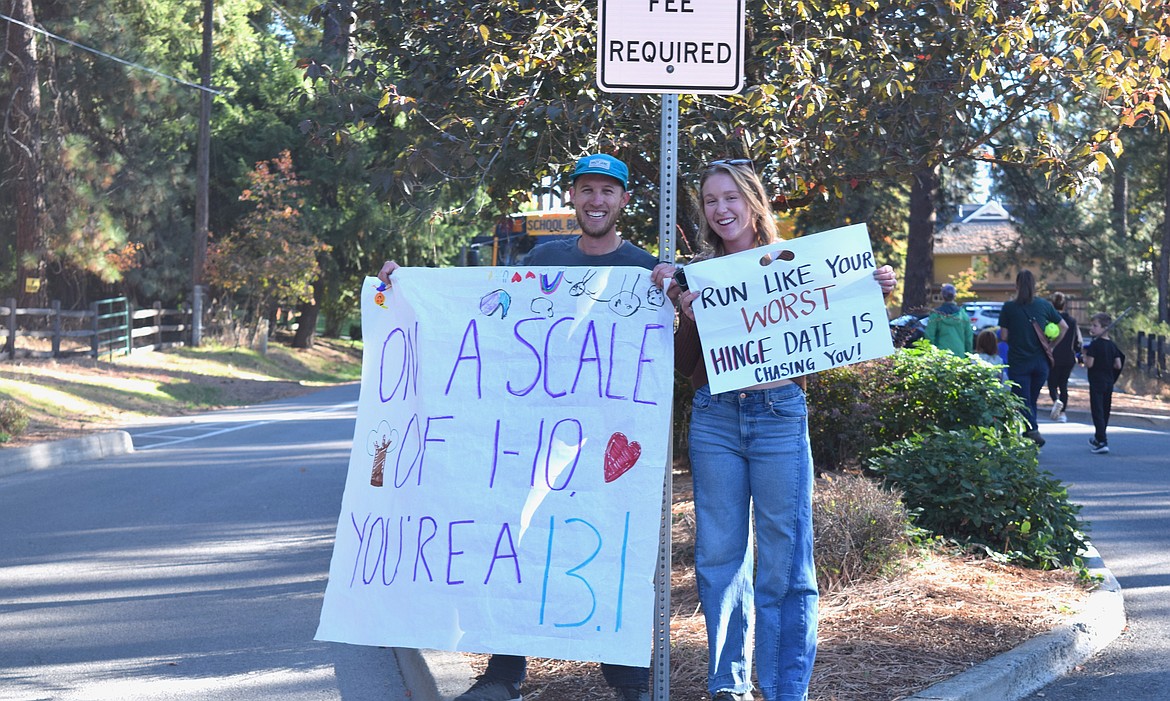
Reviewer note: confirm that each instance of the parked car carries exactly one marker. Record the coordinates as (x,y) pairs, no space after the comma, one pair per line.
(908,328)
(983,314)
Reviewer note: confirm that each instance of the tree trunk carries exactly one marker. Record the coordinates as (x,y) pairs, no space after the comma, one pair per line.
(1164,254)
(1120,211)
(202,169)
(920,240)
(307,318)
(338,31)
(23,142)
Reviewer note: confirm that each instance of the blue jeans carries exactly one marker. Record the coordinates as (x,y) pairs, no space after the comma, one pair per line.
(750,457)
(1030,375)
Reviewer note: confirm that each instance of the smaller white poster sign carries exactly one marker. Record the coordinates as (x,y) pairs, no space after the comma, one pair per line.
(788,309)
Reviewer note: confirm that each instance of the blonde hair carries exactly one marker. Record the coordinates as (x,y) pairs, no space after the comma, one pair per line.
(749,185)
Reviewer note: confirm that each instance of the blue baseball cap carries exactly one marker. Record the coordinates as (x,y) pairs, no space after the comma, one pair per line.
(601,164)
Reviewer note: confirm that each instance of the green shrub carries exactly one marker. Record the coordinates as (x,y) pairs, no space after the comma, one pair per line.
(854,409)
(928,387)
(841,416)
(13,420)
(983,485)
(860,530)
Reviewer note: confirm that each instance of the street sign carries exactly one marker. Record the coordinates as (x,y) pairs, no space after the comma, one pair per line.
(670,46)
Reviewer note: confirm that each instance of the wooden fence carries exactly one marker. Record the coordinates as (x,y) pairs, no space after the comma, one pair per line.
(109,327)
(1151,354)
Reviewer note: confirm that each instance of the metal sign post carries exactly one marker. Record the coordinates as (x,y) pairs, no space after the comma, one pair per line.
(667,176)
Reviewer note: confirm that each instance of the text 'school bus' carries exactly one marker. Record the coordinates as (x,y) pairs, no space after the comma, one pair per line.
(515,236)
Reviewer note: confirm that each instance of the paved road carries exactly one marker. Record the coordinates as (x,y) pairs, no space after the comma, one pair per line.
(191,569)
(1126,497)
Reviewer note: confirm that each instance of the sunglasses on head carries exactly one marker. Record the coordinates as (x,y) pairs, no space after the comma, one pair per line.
(732,162)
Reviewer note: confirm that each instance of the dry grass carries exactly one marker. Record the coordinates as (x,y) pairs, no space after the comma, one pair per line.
(69,397)
(882,640)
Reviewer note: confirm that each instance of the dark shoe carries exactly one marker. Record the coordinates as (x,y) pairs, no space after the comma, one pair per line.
(1035,437)
(1100,449)
(631,693)
(1093,442)
(486,689)
(732,696)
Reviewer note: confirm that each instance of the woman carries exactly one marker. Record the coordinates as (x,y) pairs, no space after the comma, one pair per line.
(750,462)
(1022,321)
(1064,358)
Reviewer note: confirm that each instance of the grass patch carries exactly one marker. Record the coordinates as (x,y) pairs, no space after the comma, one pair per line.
(86,393)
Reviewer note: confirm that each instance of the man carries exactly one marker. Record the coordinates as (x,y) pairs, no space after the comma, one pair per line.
(598,193)
(949,327)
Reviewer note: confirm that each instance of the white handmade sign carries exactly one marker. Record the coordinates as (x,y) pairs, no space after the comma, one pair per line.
(788,309)
(505,485)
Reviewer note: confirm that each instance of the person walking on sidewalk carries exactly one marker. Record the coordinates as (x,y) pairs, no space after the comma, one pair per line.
(1022,321)
(598,193)
(1064,358)
(948,327)
(1103,361)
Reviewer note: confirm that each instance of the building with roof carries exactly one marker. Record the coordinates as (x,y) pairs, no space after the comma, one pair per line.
(978,234)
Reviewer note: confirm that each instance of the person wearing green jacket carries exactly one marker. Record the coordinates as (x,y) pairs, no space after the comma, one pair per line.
(949,327)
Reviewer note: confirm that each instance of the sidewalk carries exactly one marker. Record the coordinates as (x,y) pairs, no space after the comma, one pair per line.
(440,676)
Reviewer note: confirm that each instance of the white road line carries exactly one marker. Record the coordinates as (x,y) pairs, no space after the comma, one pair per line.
(209,430)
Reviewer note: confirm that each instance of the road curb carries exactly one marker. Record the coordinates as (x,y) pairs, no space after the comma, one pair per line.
(1122,419)
(1045,658)
(434,675)
(53,453)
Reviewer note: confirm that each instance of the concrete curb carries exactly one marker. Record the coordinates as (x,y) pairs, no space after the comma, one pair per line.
(434,675)
(54,453)
(1045,658)
(1119,418)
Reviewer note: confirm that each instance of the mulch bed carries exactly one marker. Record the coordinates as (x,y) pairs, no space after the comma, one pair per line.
(882,640)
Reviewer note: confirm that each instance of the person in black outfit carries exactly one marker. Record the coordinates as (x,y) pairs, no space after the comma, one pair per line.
(1064,358)
(1103,361)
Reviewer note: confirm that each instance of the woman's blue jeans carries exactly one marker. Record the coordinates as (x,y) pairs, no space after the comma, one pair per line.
(1030,377)
(750,457)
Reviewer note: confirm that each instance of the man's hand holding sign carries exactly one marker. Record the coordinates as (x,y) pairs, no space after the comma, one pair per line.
(805,305)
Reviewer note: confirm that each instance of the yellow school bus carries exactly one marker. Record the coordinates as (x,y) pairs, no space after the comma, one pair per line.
(515,236)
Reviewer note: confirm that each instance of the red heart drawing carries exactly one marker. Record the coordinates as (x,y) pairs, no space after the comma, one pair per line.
(529,275)
(620,456)
(516,277)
